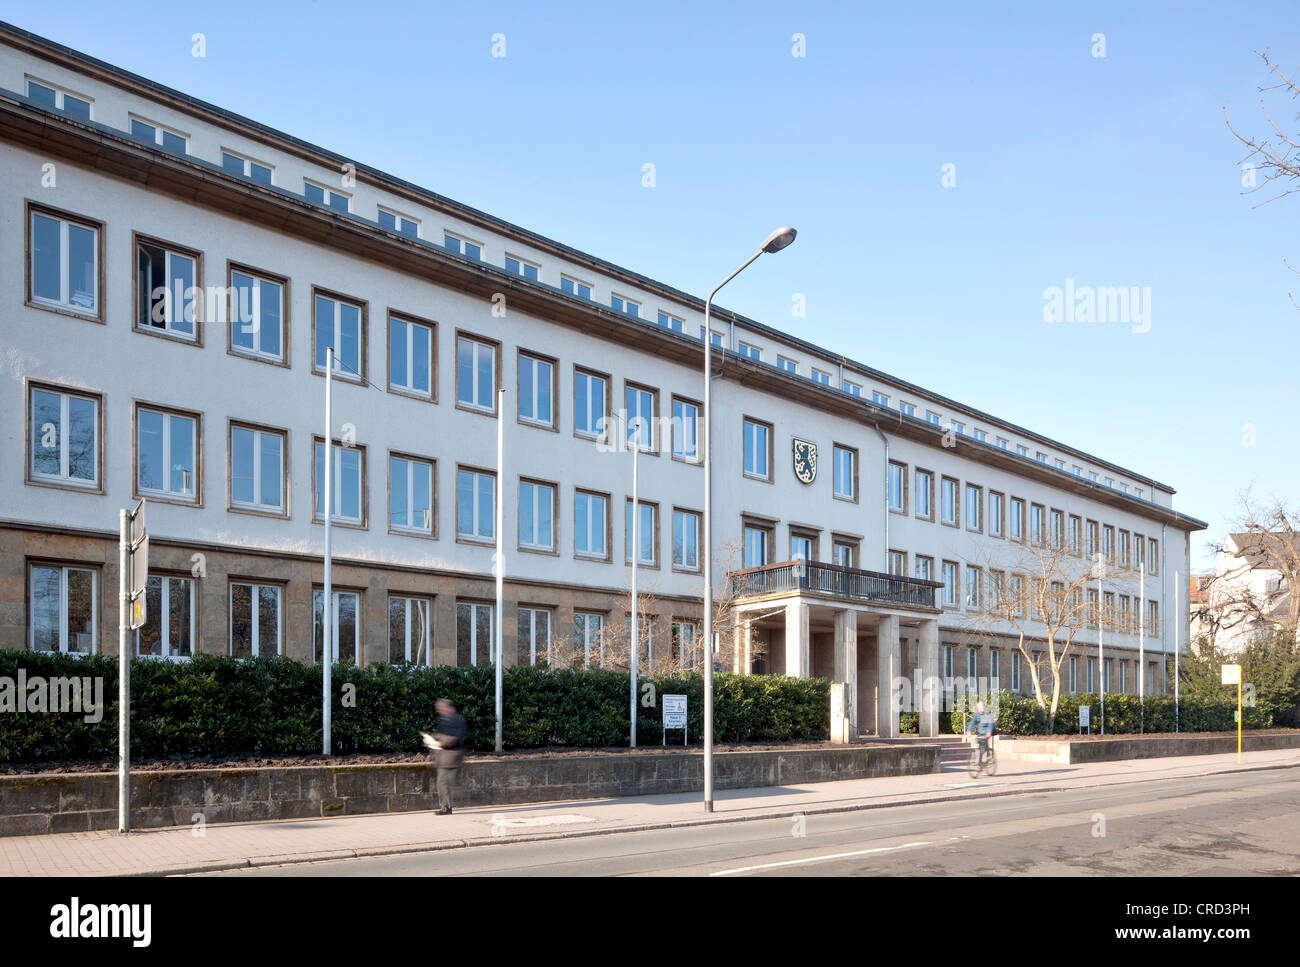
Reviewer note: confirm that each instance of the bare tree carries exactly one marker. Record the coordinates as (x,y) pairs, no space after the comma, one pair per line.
(1267,543)
(1276,155)
(1044,598)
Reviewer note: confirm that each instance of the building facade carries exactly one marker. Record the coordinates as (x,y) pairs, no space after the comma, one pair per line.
(173,277)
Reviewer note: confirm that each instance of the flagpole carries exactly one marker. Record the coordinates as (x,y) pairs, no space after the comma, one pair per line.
(501,554)
(327,605)
(636,551)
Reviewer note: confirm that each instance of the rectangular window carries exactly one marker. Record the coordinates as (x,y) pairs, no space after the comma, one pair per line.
(168,631)
(641,406)
(997,590)
(758,540)
(1153,556)
(949,501)
(166,454)
(997,514)
(345,626)
(981,436)
(647,533)
(347,467)
(475,505)
(326,197)
(803,547)
(59,99)
(880,399)
(410,356)
(949,665)
(758,450)
(153,133)
(974,508)
(573,287)
(410,495)
(852,388)
(1108,543)
(408,631)
(523,268)
(685,641)
(995,667)
(907,409)
(685,430)
(972,663)
(925,494)
(897,487)
(820,376)
(62,609)
(1056,528)
(590,524)
(958,428)
(475,631)
(341,325)
(400,224)
(626,306)
(1017,527)
(790,366)
(1021,450)
(257,469)
(246,167)
(716,337)
(254,620)
(974,588)
(1074,675)
(844,553)
(1075,535)
(1037,531)
(476,376)
(534,636)
(590,402)
(65,257)
(750,352)
(898,563)
(1125,552)
(257,315)
(686,540)
(1139,552)
(671,322)
(588,636)
(950,588)
(63,437)
(536,516)
(1003,443)
(168,297)
(846,473)
(933,418)
(536,390)
(463,246)
(1015,671)
(1090,540)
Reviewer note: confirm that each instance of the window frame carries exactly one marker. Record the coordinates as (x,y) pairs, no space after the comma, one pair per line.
(398,218)
(407,319)
(31,210)
(977,492)
(686,513)
(607,537)
(64,632)
(956,501)
(408,531)
(903,496)
(259,510)
(627,533)
(535,357)
(929,490)
(655,442)
(698,459)
(495,346)
(254,643)
(363,337)
(168,411)
(409,599)
(475,539)
(31,478)
(328,193)
(338,593)
(553,550)
(159,130)
(164,600)
(836,449)
(169,249)
(768,454)
(588,373)
(335,520)
(61,94)
(248,166)
(286,323)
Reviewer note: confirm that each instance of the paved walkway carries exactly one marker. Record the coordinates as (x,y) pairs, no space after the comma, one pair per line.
(233,845)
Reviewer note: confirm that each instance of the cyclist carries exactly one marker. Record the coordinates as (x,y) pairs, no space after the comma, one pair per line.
(981,724)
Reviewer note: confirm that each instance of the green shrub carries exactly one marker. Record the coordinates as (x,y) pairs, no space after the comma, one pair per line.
(214,706)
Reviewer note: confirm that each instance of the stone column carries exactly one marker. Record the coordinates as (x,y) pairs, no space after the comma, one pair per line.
(739,644)
(798,641)
(930,686)
(888,668)
(846,661)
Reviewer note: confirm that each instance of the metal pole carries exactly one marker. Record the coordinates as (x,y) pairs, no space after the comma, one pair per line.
(501,553)
(327,605)
(1101,650)
(1142,638)
(1177,646)
(123,679)
(636,552)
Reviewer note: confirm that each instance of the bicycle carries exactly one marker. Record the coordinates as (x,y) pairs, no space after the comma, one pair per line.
(989,763)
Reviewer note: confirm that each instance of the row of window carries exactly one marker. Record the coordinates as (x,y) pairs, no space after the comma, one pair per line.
(63,605)
(995,514)
(1074,683)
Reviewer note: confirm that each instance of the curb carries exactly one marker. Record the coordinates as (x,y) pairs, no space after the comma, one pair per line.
(293,859)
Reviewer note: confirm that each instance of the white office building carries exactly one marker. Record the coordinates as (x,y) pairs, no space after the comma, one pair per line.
(879,514)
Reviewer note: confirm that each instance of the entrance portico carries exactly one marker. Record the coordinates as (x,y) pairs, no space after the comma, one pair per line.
(857,628)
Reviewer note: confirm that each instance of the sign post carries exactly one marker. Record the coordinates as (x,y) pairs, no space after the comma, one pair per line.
(1085,719)
(674,715)
(133,577)
(1232,676)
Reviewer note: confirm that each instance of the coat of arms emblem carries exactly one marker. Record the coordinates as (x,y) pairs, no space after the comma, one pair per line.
(805,461)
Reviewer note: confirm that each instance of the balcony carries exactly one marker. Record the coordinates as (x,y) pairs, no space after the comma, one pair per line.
(835,581)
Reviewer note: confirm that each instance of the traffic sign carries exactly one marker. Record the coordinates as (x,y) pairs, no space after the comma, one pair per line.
(138,566)
(1231,674)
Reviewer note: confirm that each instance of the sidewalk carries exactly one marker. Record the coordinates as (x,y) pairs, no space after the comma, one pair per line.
(233,845)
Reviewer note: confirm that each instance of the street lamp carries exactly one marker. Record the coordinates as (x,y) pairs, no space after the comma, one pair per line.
(771,245)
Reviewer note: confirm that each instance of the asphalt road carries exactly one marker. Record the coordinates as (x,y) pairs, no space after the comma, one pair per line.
(1239,824)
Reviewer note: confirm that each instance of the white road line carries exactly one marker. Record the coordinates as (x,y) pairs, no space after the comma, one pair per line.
(817,859)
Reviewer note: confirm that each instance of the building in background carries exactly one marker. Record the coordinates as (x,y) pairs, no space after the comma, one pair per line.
(1247,596)
(173,275)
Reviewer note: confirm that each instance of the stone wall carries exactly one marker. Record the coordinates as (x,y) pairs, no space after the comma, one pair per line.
(57,803)
(1073,751)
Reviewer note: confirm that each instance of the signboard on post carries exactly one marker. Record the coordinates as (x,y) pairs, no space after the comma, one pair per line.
(674,715)
(1085,718)
(1232,676)
(133,577)
(138,567)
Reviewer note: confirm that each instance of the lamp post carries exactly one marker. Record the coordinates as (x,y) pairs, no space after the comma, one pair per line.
(772,244)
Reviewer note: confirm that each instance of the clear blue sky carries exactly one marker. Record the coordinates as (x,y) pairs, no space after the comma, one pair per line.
(1110,171)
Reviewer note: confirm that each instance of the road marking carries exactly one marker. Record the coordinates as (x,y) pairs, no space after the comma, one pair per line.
(817,859)
(545,820)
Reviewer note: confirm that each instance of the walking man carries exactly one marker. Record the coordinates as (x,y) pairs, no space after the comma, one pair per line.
(449,749)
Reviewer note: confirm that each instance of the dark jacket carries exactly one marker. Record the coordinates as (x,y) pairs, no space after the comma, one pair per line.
(450,733)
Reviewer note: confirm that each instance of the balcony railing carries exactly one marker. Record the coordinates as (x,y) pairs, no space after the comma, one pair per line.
(835,580)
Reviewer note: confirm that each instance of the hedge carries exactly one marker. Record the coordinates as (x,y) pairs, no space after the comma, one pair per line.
(212,706)
(1021,714)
